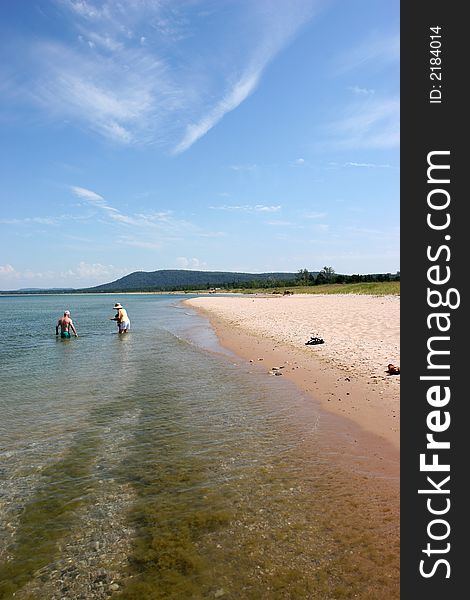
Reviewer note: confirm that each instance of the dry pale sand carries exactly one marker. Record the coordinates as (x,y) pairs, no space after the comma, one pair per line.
(346,374)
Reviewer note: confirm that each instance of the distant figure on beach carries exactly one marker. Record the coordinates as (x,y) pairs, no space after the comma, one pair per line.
(66,324)
(122,319)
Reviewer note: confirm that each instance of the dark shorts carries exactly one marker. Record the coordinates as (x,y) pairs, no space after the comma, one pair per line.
(65,334)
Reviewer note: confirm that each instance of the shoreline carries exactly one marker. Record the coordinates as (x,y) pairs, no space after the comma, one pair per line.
(365,400)
(353,460)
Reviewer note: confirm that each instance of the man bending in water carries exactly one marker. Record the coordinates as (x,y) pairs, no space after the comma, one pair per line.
(66,324)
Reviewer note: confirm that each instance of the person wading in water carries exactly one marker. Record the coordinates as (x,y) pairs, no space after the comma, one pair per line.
(66,324)
(122,319)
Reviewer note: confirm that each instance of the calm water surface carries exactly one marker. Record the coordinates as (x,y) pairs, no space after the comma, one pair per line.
(157,465)
(147,465)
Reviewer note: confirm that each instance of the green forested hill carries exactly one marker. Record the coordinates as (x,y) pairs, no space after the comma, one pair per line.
(179,279)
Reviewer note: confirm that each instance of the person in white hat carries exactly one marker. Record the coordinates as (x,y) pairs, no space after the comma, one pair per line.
(122,319)
(66,324)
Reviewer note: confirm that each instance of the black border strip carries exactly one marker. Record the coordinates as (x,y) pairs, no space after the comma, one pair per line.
(430,127)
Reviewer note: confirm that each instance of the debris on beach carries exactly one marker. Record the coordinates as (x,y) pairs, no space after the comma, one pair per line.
(392,369)
(315,340)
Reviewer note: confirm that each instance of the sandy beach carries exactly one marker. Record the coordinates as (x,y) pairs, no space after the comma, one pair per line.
(347,374)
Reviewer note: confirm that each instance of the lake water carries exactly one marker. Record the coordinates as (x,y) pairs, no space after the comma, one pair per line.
(154,464)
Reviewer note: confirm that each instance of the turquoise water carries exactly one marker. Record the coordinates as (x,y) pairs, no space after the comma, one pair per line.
(147,465)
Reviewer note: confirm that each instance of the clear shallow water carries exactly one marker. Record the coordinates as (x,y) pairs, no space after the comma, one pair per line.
(155,464)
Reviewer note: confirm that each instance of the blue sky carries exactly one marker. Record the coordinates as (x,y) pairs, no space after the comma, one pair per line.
(202,134)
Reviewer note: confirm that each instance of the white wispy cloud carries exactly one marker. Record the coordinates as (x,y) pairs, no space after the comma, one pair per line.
(49,220)
(232,99)
(126,241)
(113,99)
(13,277)
(84,8)
(190,263)
(279,223)
(212,234)
(248,208)
(379,49)
(7,269)
(112,70)
(31,220)
(243,167)
(89,195)
(372,124)
(314,215)
(278,23)
(113,213)
(367,165)
(355,89)
(95,271)
(376,234)
(321,227)
(98,201)
(143,230)
(82,274)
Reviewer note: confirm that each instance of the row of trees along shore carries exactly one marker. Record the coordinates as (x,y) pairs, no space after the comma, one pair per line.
(304,277)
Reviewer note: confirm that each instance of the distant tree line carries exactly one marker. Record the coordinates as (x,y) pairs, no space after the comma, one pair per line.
(304,277)
(328,275)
